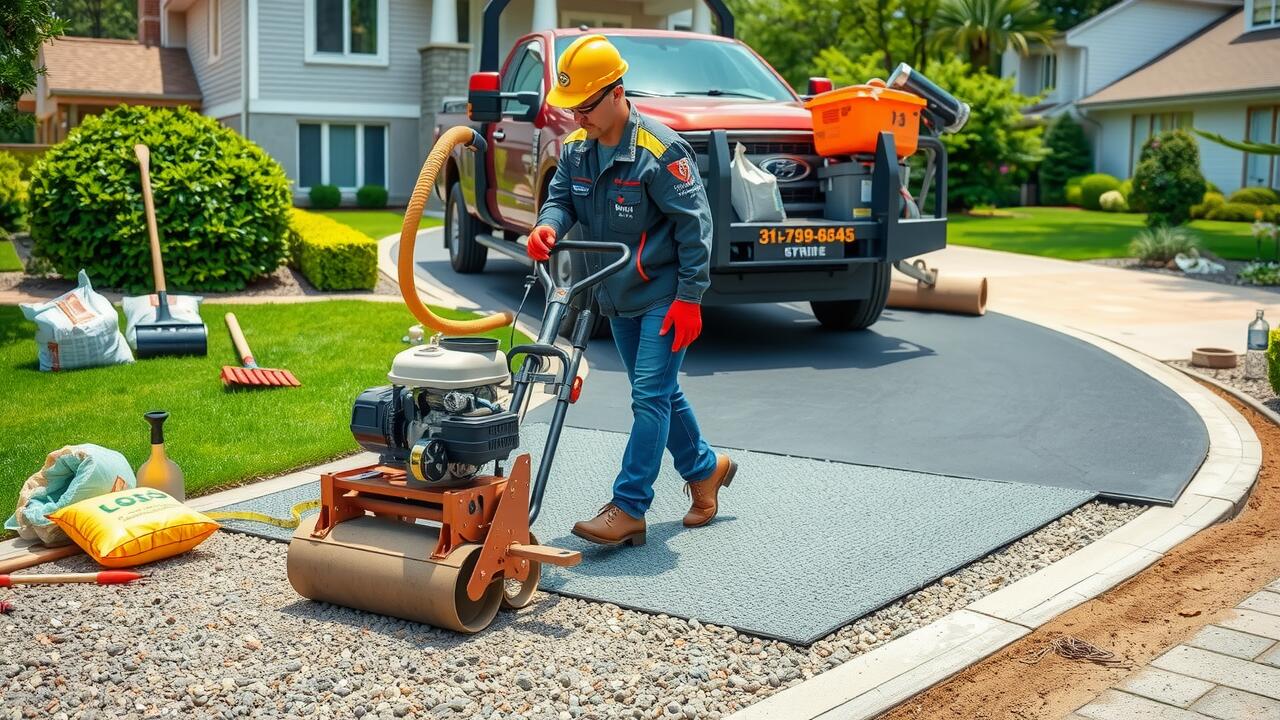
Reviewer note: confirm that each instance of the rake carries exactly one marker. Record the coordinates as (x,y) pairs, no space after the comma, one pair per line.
(250,375)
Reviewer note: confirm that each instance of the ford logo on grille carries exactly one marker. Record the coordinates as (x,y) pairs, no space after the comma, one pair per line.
(787,168)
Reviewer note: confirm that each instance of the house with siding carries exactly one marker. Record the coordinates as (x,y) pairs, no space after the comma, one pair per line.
(344,92)
(1144,66)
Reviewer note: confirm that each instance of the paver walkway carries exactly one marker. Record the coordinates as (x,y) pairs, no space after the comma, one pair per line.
(1230,670)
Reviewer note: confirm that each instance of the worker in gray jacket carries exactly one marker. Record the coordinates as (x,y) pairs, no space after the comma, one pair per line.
(624,177)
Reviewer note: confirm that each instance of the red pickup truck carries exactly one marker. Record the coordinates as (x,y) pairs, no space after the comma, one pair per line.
(716,92)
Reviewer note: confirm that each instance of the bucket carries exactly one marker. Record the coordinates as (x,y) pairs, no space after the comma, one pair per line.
(848,121)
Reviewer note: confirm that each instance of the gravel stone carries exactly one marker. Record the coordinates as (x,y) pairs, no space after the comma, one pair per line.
(243,644)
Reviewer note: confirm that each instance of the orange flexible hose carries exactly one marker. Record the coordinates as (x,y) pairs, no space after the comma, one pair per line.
(451,138)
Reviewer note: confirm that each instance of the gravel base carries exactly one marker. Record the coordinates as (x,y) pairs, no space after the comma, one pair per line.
(219,632)
(1226,277)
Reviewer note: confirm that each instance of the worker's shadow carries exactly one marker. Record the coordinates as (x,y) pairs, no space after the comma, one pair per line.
(655,557)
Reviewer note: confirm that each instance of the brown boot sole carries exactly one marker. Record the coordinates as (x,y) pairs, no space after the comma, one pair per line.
(634,539)
(728,478)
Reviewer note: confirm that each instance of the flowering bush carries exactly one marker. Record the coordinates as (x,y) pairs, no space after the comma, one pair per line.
(1168,181)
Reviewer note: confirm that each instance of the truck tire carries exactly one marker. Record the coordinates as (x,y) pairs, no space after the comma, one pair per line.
(566,267)
(856,314)
(465,254)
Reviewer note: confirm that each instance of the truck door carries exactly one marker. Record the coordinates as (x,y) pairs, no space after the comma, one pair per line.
(512,148)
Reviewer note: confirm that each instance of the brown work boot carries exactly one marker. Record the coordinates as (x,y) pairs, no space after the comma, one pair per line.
(611,527)
(705,492)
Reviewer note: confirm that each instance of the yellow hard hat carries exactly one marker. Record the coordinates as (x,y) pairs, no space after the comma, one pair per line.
(584,68)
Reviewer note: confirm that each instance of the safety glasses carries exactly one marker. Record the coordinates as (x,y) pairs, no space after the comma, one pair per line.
(588,108)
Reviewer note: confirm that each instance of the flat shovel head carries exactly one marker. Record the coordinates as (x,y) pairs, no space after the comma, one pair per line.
(156,339)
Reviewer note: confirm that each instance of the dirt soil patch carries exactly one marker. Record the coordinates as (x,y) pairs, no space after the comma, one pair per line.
(1195,584)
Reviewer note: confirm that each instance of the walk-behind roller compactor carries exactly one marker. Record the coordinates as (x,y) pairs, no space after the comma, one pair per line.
(426,534)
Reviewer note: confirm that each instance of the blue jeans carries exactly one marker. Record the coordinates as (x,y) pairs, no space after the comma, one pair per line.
(661,413)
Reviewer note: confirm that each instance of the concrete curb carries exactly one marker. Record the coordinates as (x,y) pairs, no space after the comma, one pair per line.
(875,682)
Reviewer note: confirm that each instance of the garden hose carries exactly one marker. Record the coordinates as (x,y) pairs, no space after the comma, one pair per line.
(250,516)
(451,138)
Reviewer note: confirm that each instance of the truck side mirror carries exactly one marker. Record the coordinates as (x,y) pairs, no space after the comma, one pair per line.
(531,100)
(484,101)
(819,85)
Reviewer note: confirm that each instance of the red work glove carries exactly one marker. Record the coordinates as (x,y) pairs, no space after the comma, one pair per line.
(687,319)
(541,240)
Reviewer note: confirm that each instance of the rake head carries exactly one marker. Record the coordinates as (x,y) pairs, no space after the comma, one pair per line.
(257,377)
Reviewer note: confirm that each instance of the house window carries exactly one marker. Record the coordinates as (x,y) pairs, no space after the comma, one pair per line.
(1262,13)
(215,29)
(343,154)
(1145,125)
(1258,169)
(464,21)
(347,31)
(1048,72)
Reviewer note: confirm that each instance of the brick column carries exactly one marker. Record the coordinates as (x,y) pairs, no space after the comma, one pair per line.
(149,22)
(444,74)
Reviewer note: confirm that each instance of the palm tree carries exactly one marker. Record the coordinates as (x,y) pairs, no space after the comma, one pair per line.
(985,28)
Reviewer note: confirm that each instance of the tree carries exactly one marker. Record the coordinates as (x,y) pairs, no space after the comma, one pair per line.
(1066,14)
(1168,180)
(25,25)
(1068,156)
(791,33)
(99,18)
(984,29)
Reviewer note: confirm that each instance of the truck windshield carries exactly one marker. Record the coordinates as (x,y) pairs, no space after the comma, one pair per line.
(693,66)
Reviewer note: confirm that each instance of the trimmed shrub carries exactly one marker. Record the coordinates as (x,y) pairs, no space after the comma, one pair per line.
(372,197)
(1168,180)
(324,197)
(331,255)
(1072,191)
(1255,196)
(1113,201)
(222,204)
(1158,245)
(1092,187)
(1211,200)
(1210,187)
(1236,212)
(1273,360)
(1069,155)
(1126,188)
(13,193)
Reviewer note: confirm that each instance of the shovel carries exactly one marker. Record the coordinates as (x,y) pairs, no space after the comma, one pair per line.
(166,335)
(250,375)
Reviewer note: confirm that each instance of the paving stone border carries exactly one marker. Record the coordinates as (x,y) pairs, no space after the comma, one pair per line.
(876,681)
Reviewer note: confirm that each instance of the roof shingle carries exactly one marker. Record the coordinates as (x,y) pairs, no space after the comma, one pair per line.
(1221,59)
(125,68)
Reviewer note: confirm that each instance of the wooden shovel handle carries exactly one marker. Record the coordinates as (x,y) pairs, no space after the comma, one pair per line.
(144,163)
(37,556)
(237,337)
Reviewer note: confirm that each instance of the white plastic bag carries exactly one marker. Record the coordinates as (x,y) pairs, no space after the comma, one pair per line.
(754,192)
(77,329)
(141,310)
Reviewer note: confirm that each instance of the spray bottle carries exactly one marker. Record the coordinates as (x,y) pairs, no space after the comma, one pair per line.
(159,471)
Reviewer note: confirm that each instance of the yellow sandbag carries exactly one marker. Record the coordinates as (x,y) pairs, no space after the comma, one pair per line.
(133,527)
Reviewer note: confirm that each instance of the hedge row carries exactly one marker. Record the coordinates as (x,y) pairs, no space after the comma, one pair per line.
(331,255)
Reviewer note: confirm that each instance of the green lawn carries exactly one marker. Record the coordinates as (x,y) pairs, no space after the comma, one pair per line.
(1072,234)
(336,348)
(9,261)
(377,224)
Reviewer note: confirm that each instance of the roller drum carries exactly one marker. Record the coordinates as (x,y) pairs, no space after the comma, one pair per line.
(384,566)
